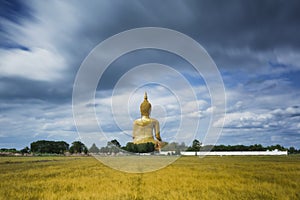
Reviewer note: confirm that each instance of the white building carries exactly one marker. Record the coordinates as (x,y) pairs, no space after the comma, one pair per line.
(228,153)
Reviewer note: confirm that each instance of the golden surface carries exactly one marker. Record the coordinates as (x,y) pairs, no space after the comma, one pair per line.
(144,127)
(145,107)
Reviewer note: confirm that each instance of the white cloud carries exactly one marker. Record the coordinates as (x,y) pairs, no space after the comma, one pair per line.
(48,35)
(30,121)
(265,120)
(290,58)
(37,64)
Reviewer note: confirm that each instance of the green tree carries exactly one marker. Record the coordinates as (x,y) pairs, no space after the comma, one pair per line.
(277,146)
(196,146)
(78,147)
(44,146)
(140,148)
(131,147)
(292,150)
(25,150)
(116,143)
(256,147)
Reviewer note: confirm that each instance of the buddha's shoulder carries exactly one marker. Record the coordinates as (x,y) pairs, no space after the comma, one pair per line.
(154,120)
(137,121)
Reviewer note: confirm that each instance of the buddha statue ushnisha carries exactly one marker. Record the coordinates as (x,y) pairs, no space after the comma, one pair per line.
(144,127)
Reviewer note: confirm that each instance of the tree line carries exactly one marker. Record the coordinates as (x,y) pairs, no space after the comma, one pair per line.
(197,146)
(113,146)
(50,147)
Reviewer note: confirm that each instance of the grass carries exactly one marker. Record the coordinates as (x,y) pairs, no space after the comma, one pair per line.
(227,177)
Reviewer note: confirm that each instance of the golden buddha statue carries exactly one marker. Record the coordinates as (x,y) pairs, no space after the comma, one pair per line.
(144,127)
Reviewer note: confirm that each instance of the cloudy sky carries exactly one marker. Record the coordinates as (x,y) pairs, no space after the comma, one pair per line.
(255,45)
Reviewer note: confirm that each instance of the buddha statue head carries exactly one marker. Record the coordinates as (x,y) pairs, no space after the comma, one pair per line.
(145,107)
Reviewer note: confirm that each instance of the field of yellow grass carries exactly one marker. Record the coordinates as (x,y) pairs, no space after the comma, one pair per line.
(227,177)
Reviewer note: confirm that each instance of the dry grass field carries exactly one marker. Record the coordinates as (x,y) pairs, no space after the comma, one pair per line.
(227,177)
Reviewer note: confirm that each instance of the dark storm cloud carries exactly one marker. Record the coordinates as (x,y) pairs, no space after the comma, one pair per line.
(23,89)
(242,35)
(133,59)
(234,23)
(237,34)
(255,24)
(218,25)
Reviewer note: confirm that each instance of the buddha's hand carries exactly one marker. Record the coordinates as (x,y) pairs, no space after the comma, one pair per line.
(159,144)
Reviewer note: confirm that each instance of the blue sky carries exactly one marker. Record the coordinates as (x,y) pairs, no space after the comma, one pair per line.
(255,45)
